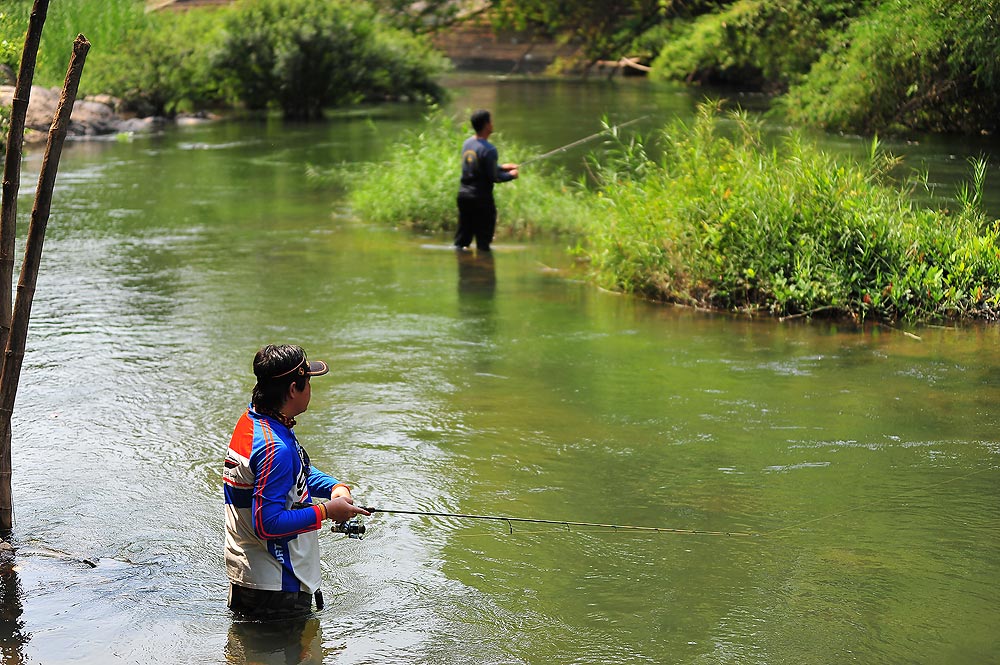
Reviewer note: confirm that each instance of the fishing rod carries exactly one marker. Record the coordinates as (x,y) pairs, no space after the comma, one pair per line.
(355,529)
(580,141)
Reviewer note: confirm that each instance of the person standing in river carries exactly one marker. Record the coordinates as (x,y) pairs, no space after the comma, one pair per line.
(477,211)
(272,539)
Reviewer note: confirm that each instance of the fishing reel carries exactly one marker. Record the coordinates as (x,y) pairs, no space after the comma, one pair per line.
(352,528)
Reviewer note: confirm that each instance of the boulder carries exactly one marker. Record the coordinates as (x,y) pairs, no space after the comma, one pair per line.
(92,116)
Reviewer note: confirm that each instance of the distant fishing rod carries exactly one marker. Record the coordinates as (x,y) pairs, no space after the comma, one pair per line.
(356,529)
(580,141)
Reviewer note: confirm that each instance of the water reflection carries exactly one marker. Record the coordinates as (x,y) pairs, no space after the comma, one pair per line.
(477,284)
(290,642)
(477,280)
(11,638)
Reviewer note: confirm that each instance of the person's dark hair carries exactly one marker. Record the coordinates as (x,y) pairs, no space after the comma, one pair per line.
(273,366)
(479,119)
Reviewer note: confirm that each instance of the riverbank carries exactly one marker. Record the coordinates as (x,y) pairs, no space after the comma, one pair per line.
(95,116)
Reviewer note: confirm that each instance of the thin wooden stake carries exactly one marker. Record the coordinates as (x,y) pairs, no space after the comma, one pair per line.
(12,161)
(14,353)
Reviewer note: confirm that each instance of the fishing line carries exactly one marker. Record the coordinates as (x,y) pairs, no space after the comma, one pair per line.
(580,141)
(357,530)
(510,522)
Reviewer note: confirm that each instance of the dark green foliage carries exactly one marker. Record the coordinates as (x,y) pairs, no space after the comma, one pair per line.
(908,64)
(164,68)
(303,56)
(749,42)
(874,65)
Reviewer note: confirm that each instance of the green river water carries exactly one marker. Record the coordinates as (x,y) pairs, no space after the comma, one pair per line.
(864,462)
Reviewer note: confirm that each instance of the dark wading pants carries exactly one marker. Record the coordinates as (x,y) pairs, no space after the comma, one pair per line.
(477,218)
(261,604)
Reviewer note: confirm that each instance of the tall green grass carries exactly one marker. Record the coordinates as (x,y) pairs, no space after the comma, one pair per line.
(105,23)
(417,187)
(727,222)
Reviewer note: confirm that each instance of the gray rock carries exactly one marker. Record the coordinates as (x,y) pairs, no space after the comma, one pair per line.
(95,115)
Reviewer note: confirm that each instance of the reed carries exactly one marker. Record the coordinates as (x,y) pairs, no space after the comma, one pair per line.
(728,222)
(422,177)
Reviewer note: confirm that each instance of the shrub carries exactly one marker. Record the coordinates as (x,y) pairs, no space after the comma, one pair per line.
(751,42)
(908,64)
(10,44)
(303,56)
(727,222)
(162,66)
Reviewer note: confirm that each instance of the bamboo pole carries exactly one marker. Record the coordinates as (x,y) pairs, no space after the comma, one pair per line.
(14,353)
(12,162)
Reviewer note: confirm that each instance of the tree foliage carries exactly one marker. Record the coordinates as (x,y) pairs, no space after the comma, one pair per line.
(750,42)
(908,64)
(604,29)
(304,56)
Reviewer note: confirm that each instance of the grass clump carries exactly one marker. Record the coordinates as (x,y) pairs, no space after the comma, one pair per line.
(727,222)
(422,176)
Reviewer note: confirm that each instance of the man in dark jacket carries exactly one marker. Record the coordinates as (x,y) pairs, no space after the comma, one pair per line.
(477,212)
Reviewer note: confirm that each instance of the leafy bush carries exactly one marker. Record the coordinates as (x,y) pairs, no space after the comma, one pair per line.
(750,42)
(296,55)
(727,222)
(303,56)
(423,173)
(4,128)
(908,64)
(10,45)
(155,62)
(163,67)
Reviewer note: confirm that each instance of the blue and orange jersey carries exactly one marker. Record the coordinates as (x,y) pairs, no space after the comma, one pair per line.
(271,542)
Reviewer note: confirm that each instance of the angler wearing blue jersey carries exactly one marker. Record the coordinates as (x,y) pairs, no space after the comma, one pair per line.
(272,543)
(477,211)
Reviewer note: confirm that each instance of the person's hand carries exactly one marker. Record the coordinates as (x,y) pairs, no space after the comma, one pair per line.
(342,508)
(512,169)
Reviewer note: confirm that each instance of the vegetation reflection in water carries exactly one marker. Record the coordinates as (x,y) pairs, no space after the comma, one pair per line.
(863,457)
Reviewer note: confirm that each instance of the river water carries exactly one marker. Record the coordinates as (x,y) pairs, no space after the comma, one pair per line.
(864,462)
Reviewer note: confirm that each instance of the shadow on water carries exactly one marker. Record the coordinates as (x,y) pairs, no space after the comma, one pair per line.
(12,639)
(291,642)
